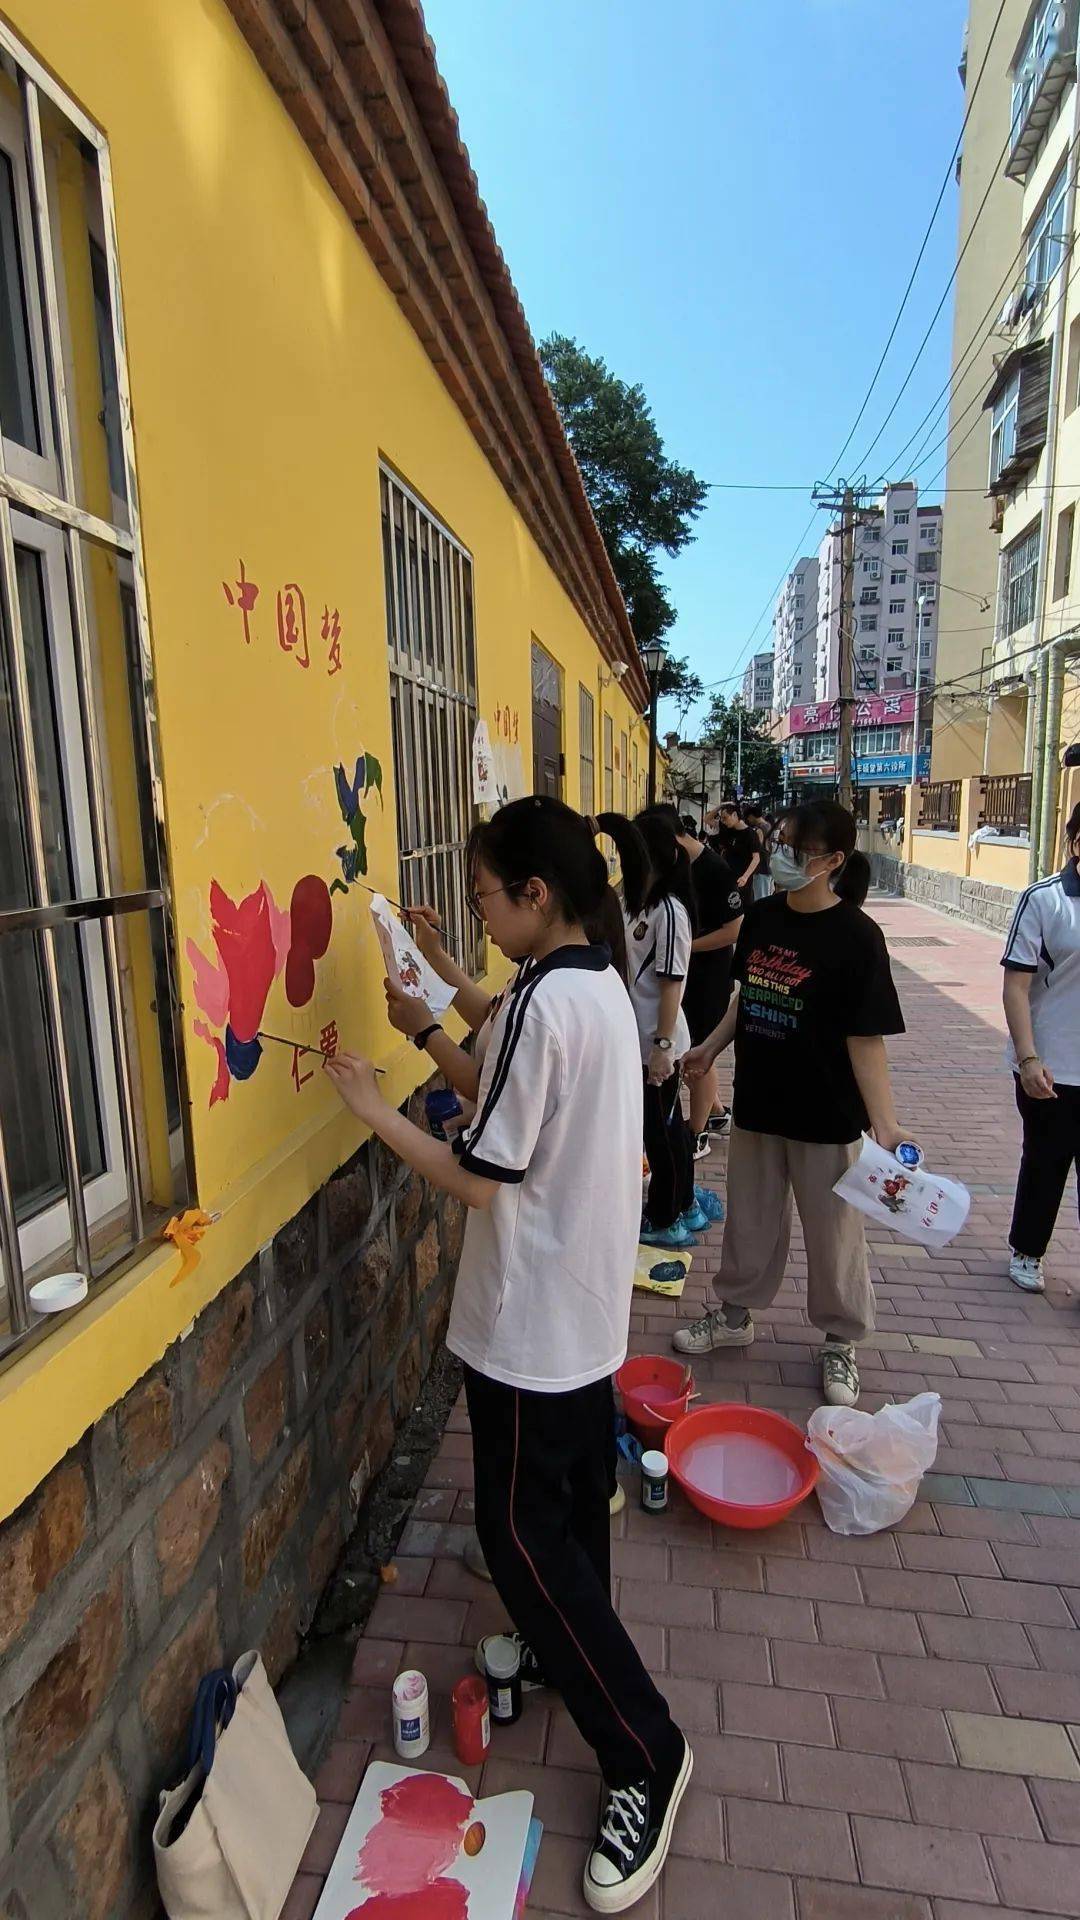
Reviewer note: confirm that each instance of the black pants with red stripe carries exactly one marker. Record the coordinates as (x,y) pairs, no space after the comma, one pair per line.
(543,1470)
(669,1150)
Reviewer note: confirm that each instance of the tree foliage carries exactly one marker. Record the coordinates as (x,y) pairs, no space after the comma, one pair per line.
(677,683)
(762,763)
(645,503)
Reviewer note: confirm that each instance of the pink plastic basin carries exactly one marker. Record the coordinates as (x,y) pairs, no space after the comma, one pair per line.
(744,1466)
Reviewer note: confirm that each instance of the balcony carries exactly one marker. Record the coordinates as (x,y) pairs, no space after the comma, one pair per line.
(1044,66)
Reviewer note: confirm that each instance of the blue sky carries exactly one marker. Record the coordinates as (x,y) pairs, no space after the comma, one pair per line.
(724,200)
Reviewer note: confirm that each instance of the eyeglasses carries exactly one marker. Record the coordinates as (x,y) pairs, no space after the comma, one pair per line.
(473,899)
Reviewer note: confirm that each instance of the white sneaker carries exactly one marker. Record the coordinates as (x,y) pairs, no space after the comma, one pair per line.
(702,1147)
(618,1499)
(839,1374)
(712,1332)
(1026,1271)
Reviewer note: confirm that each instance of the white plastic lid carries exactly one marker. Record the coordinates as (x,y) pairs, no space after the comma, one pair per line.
(59,1292)
(654,1464)
(501,1657)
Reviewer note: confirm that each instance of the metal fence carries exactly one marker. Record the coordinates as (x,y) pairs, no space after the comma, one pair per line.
(941,806)
(1006,803)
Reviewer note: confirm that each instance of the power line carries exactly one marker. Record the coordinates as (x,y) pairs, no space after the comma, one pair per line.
(948,175)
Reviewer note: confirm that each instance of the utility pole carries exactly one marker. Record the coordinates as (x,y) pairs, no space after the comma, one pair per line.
(738,755)
(920,598)
(846,499)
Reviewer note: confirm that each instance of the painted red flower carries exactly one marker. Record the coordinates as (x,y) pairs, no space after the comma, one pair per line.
(244,937)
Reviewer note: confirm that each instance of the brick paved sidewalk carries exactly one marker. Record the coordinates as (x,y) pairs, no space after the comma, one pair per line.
(884,1728)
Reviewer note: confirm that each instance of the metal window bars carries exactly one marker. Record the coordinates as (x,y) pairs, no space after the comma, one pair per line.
(43,917)
(433,707)
(587,747)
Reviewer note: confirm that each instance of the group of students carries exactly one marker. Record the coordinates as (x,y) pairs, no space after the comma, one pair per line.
(572,1067)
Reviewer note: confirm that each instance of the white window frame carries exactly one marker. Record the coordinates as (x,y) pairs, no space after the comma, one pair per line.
(899,547)
(897,607)
(902,516)
(1046,235)
(1003,421)
(895,637)
(1018,581)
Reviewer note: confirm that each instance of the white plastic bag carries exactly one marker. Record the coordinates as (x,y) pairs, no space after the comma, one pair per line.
(872,1463)
(911,1201)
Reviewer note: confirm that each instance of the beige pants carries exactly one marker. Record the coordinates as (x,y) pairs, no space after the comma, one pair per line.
(764,1173)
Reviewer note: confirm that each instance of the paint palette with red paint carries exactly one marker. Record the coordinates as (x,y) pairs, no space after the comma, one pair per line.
(418,1846)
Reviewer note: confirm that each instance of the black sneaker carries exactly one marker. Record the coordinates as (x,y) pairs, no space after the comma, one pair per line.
(633,1836)
(532,1678)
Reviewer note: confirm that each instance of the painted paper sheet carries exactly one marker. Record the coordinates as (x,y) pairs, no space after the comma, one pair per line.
(509,772)
(417,1846)
(404,961)
(658,1272)
(485,791)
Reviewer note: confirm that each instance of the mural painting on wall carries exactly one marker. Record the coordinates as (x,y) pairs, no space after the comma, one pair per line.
(292,622)
(256,942)
(367,774)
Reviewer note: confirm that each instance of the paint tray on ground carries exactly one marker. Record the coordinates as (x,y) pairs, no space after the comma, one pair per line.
(419,1846)
(743,1466)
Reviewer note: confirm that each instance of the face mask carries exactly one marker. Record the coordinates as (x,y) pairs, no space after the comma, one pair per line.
(788,871)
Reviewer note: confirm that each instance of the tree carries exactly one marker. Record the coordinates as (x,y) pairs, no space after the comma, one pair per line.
(762,763)
(679,684)
(645,504)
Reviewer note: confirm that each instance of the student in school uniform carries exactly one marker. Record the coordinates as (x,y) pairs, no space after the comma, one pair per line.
(816,997)
(1042,1010)
(659,917)
(550,1172)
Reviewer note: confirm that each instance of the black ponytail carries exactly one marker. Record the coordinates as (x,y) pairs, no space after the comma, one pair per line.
(823,826)
(634,861)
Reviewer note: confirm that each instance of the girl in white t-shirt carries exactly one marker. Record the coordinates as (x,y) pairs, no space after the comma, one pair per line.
(659,914)
(550,1172)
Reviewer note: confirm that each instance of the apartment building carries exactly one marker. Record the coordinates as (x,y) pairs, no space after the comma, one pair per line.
(757,684)
(794,624)
(896,593)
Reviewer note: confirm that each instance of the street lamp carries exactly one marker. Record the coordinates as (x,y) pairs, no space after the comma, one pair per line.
(652,659)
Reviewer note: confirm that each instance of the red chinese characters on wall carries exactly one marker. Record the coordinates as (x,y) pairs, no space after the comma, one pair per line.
(292,626)
(507,725)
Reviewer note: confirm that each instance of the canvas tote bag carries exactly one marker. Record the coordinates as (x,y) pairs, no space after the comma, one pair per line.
(249,1809)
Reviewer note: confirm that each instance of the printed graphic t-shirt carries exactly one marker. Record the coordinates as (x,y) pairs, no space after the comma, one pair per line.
(718,903)
(807,982)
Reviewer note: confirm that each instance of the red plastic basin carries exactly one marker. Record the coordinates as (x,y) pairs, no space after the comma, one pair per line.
(744,1466)
(655,1392)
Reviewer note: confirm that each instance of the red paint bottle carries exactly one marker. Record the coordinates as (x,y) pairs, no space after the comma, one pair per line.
(472,1722)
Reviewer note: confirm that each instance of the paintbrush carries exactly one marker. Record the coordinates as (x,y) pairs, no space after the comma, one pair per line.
(299,1047)
(443,932)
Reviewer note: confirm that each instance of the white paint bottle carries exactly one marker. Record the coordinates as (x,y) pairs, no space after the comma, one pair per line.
(654,1481)
(412,1721)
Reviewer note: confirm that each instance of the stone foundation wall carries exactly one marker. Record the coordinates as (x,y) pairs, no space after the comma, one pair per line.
(976,900)
(203,1515)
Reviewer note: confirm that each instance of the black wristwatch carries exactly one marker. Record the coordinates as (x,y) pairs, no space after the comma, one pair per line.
(660,1040)
(420,1040)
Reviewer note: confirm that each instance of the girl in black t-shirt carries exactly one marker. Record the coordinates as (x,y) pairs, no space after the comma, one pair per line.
(815,998)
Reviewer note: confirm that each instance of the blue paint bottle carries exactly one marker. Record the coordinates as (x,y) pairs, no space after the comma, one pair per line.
(441,1105)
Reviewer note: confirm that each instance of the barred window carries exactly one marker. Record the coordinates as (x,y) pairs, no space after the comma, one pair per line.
(429,615)
(587,745)
(1019,571)
(624,772)
(93,1153)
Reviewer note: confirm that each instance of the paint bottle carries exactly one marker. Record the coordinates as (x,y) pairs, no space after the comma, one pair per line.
(654,1478)
(412,1724)
(909,1155)
(472,1720)
(441,1106)
(502,1664)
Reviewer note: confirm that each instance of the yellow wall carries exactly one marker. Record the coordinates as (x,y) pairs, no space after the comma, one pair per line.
(270,368)
(1000,866)
(944,851)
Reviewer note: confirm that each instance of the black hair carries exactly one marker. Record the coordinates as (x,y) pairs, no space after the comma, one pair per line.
(825,827)
(1072,825)
(634,860)
(689,825)
(542,838)
(730,806)
(669,814)
(608,929)
(670,863)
